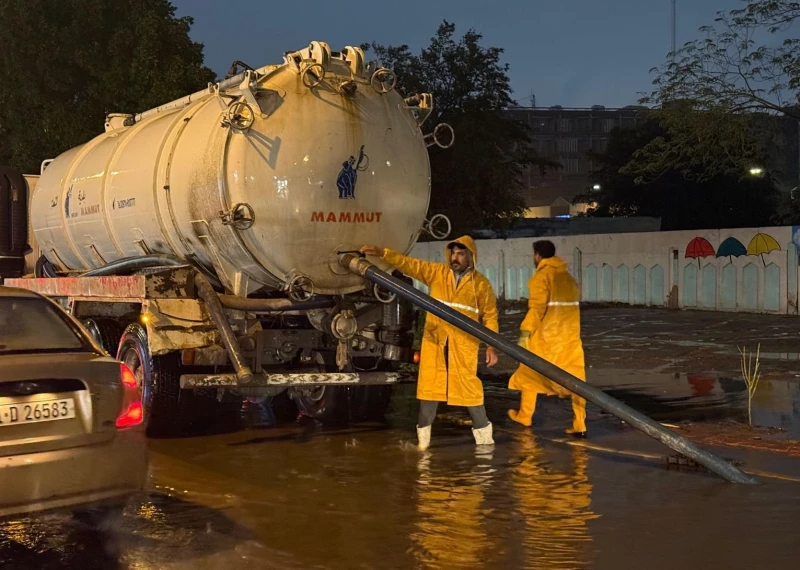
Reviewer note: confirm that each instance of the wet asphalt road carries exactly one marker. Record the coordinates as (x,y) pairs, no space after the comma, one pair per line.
(303,496)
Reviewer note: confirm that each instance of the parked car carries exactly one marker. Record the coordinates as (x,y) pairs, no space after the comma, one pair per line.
(71,433)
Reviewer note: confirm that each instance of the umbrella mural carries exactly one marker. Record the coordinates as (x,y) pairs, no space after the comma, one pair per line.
(699,247)
(731,248)
(761,244)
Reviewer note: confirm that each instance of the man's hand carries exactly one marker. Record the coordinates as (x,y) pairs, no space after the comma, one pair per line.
(491,356)
(372,251)
(523,339)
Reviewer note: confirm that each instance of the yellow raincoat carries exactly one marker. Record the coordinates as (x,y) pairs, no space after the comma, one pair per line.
(554,324)
(455,382)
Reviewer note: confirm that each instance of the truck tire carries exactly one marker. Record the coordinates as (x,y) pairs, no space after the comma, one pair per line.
(159,378)
(327,404)
(370,403)
(107,333)
(341,404)
(283,407)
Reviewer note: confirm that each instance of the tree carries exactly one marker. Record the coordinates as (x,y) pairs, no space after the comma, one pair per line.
(66,63)
(788,213)
(477,182)
(722,97)
(713,202)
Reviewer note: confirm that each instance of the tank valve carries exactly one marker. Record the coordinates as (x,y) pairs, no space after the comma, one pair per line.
(348,87)
(383,80)
(239,116)
(313,75)
(439,226)
(383,296)
(241,216)
(436,137)
(300,288)
(344,325)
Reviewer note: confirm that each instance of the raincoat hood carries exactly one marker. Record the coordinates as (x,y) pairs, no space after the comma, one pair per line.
(555,262)
(467,242)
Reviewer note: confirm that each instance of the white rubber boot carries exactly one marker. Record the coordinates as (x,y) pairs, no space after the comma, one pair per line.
(423,437)
(483,436)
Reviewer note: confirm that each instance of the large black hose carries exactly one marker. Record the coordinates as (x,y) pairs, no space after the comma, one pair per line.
(130,265)
(133,264)
(364,268)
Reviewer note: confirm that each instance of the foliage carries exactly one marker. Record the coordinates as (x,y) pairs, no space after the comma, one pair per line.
(681,203)
(477,182)
(714,94)
(66,63)
(788,212)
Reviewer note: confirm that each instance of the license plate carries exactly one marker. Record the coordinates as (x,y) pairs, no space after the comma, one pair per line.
(34,412)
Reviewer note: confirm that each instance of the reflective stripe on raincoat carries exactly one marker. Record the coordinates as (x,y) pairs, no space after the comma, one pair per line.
(456,381)
(554,323)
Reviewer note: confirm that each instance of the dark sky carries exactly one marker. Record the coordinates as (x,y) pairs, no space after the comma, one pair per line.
(574,53)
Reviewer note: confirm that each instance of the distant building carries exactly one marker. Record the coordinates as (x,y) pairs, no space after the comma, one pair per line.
(566,135)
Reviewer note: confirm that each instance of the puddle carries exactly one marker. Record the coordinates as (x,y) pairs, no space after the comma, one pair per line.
(781,355)
(703,397)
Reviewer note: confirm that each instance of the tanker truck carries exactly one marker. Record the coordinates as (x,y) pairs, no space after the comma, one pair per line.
(199,241)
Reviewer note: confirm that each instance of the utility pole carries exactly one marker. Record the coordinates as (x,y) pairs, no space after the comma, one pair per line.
(673,32)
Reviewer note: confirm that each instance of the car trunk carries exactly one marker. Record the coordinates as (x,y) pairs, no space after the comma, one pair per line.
(51,401)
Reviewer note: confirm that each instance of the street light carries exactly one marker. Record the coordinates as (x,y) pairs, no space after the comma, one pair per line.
(596,187)
(756,171)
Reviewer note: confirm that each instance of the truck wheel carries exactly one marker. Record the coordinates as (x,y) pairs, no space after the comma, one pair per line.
(370,403)
(327,404)
(159,380)
(106,332)
(282,406)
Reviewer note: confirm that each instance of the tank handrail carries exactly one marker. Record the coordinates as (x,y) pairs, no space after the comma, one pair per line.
(223,85)
(362,267)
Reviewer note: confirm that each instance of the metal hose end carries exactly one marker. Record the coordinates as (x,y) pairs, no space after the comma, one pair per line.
(244,375)
(354,264)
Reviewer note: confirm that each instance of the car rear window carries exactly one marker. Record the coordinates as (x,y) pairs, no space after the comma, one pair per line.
(35,325)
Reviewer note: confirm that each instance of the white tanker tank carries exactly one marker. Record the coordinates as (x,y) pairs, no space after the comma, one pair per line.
(261,178)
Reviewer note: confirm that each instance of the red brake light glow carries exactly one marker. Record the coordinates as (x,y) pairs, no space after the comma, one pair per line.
(132,411)
(133,416)
(128,379)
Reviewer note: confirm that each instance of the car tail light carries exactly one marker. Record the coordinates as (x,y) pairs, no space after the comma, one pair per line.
(416,357)
(132,412)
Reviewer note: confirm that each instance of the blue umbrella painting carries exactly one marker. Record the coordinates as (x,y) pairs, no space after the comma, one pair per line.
(731,248)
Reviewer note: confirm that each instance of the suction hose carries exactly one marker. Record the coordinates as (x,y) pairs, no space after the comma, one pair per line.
(724,469)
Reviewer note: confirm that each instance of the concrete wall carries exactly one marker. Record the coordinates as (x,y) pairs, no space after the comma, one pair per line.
(667,269)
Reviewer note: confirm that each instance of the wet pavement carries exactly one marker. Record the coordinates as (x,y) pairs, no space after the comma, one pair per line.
(303,496)
(663,340)
(298,495)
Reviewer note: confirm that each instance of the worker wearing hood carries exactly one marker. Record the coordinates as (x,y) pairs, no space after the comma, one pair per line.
(449,360)
(552,330)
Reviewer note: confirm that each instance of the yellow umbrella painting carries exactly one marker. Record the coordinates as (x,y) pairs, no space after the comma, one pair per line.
(761,244)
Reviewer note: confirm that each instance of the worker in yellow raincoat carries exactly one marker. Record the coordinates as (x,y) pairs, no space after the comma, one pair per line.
(449,360)
(552,330)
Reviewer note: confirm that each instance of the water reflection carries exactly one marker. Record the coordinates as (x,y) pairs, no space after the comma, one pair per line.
(555,505)
(449,532)
(532,513)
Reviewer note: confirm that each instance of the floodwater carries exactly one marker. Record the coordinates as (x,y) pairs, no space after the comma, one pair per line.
(363,497)
(704,397)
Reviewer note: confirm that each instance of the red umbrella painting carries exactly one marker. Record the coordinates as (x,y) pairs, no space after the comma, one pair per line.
(699,247)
